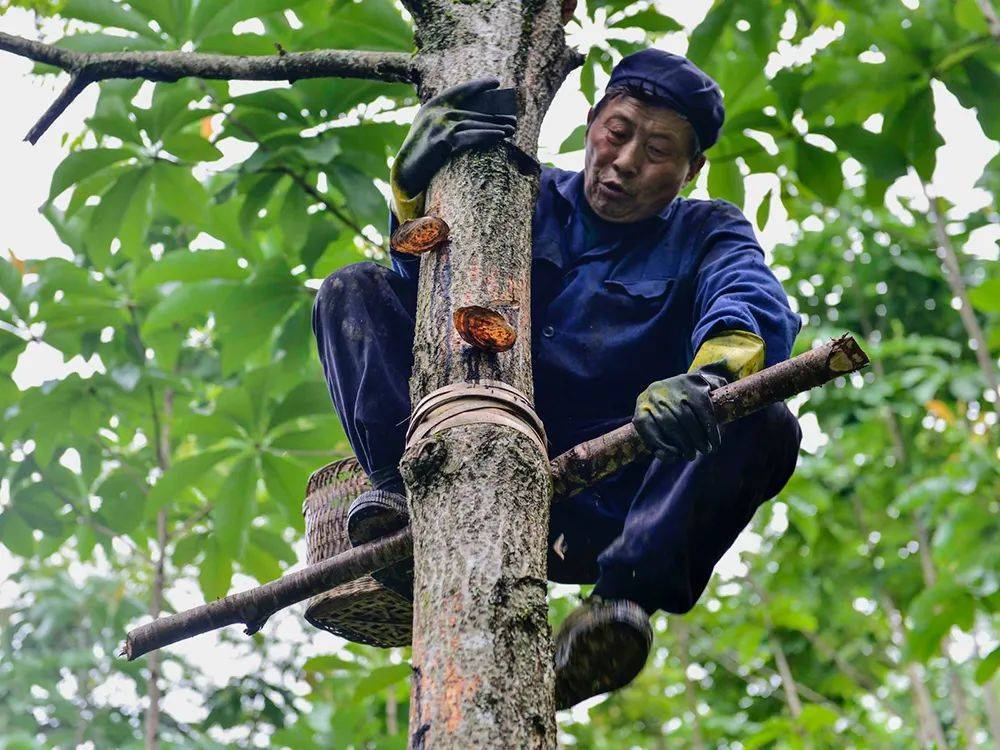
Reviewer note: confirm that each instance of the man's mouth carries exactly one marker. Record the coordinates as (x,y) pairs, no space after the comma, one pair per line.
(614,188)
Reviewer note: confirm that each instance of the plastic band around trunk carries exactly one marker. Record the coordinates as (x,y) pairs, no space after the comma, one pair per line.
(476,402)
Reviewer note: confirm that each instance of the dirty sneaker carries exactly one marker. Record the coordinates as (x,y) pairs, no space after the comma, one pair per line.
(601,646)
(375,514)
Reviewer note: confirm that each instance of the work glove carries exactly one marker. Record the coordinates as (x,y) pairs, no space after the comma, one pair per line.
(475,113)
(675,417)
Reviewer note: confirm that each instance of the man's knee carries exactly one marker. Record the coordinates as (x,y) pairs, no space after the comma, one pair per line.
(777,437)
(351,283)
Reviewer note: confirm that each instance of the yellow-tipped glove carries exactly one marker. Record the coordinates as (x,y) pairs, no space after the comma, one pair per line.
(675,417)
(732,354)
(475,113)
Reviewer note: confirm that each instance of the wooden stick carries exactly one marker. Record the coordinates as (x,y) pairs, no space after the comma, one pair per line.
(590,462)
(573,471)
(253,607)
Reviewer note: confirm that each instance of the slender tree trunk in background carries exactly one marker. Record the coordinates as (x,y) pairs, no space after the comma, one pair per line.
(966,720)
(161,436)
(155,607)
(931,732)
(479,493)
(391,707)
(690,688)
(992,705)
(953,274)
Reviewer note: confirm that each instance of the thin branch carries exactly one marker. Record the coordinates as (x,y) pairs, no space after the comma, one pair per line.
(990,14)
(255,606)
(86,68)
(182,529)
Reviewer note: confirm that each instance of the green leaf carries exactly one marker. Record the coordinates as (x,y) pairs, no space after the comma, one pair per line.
(650,20)
(180,193)
(575,141)
(587,84)
(122,501)
(986,296)
(15,534)
(186,266)
(184,473)
(184,304)
(81,164)
(293,218)
(970,16)
(216,570)
(10,287)
(988,666)
(187,549)
(381,678)
(107,13)
(136,219)
(709,32)
(763,210)
(913,130)
(235,506)
(726,182)
(819,171)
(273,544)
(111,217)
(191,147)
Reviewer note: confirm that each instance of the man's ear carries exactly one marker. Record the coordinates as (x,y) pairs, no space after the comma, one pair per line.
(695,168)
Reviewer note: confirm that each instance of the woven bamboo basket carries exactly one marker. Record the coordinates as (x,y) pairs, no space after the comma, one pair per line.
(361,610)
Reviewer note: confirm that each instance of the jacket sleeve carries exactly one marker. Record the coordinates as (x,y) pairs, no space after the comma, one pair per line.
(407,266)
(736,291)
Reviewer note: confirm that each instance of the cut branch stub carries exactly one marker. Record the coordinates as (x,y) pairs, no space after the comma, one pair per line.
(418,236)
(566,11)
(484,328)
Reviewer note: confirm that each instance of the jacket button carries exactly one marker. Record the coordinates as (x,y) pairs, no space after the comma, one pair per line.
(548,332)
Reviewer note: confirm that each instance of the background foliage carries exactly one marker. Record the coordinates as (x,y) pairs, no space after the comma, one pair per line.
(865,614)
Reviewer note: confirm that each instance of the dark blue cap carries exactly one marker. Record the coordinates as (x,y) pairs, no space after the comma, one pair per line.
(680,84)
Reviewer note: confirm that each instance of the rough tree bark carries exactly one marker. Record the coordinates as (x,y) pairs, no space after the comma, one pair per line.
(479,493)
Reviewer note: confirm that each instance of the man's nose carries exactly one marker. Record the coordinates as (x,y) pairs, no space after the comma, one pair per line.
(628,158)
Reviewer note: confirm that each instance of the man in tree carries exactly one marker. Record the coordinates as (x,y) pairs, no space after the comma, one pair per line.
(642,303)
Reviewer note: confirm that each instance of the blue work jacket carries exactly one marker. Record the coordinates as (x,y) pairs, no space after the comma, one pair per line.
(609,321)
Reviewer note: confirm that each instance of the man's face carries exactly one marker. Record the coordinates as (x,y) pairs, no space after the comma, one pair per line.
(638,157)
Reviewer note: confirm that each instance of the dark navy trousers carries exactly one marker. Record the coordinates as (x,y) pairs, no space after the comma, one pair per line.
(651,533)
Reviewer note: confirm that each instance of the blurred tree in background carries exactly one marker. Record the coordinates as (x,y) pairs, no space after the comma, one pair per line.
(863,613)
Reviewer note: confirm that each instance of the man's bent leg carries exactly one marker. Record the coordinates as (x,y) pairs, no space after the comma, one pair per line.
(686,514)
(363,320)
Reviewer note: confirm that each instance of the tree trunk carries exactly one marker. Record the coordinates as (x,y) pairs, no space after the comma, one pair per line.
(690,688)
(479,493)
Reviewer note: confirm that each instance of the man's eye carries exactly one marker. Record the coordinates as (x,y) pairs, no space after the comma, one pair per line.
(616,133)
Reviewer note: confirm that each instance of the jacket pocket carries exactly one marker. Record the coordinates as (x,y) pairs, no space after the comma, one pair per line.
(642,288)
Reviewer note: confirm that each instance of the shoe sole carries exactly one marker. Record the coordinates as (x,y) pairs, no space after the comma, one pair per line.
(607,654)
